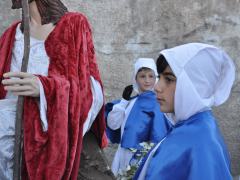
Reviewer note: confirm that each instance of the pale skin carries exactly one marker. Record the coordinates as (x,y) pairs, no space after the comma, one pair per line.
(165,89)
(145,80)
(26,84)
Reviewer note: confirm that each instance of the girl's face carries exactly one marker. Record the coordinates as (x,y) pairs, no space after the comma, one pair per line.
(165,89)
(145,79)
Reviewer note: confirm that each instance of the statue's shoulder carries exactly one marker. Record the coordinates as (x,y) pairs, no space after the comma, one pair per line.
(74,16)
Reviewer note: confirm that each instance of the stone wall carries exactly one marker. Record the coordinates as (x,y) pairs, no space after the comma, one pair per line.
(127,29)
(7,16)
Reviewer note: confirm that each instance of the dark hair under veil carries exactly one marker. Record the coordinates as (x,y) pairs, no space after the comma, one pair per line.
(161,64)
(50,10)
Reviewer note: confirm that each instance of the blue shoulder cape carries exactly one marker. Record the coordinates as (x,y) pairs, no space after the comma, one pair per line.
(193,150)
(145,123)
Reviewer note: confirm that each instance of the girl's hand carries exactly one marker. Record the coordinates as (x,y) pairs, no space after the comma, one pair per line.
(127,92)
(21,84)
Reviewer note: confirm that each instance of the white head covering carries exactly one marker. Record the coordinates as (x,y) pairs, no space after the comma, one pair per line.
(205,75)
(140,63)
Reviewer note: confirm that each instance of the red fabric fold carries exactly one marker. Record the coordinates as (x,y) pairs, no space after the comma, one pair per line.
(46,152)
(55,154)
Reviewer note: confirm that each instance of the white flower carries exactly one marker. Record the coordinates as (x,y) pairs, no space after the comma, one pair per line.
(143,144)
(151,144)
(135,161)
(133,150)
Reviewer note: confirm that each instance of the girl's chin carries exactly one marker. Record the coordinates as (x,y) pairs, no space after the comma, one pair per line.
(144,90)
(164,109)
(148,89)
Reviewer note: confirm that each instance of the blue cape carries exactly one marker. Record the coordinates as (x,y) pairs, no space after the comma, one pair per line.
(145,123)
(193,150)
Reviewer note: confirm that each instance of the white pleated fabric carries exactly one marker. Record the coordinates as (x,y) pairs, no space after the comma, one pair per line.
(205,75)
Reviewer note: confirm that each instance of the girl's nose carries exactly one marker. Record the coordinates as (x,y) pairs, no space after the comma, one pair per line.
(147,79)
(158,88)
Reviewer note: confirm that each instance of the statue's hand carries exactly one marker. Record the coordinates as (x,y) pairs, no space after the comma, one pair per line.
(21,84)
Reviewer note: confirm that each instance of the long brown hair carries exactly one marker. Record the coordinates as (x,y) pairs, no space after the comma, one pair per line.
(50,10)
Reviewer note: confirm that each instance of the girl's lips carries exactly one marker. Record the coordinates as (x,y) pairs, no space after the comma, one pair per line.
(160,100)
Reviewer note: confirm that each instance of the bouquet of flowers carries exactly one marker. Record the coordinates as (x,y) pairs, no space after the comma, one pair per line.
(138,155)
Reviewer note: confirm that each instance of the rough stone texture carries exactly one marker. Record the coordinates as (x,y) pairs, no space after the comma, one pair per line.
(7,16)
(127,29)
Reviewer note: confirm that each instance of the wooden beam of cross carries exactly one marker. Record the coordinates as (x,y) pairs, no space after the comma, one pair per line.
(19,114)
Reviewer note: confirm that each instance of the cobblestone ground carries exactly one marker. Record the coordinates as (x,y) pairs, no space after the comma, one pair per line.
(110,152)
(94,163)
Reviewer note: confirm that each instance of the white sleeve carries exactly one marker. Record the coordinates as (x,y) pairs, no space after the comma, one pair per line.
(92,114)
(117,115)
(96,106)
(42,104)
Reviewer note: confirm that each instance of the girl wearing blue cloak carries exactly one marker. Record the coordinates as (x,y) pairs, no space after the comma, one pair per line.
(138,119)
(193,78)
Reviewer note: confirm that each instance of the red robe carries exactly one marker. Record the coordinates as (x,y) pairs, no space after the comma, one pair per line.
(55,154)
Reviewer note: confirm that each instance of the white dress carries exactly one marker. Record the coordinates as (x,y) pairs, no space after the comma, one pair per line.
(38,64)
(116,119)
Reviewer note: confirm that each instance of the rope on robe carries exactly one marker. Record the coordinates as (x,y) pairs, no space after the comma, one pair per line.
(17,167)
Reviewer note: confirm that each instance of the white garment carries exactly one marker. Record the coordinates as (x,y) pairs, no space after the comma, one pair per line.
(143,63)
(96,104)
(38,64)
(117,118)
(7,132)
(205,75)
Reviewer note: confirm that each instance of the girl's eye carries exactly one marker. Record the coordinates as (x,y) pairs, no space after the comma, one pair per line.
(142,76)
(169,80)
